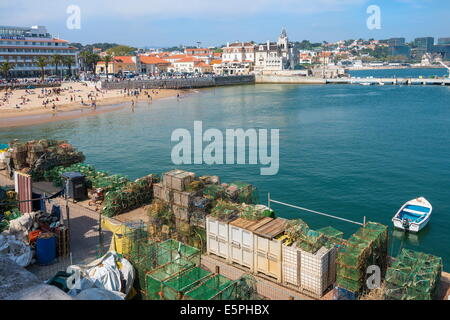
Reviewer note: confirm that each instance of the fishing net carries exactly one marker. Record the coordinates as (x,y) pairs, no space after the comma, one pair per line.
(155,278)
(147,255)
(246,288)
(215,288)
(160,213)
(197,238)
(131,196)
(43,155)
(413,276)
(256,212)
(94,179)
(311,241)
(242,192)
(214,191)
(195,186)
(333,235)
(295,229)
(368,246)
(225,210)
(174,288)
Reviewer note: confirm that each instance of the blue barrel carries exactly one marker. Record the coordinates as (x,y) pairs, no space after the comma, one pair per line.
(46,249)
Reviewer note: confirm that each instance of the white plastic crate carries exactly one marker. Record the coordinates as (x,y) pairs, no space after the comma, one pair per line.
(291,265)
(217,239)
(314,270)
(268,257)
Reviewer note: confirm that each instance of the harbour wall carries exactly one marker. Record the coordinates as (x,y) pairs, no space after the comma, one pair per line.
(188,83)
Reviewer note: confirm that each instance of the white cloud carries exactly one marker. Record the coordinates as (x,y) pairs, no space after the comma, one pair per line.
(25,12)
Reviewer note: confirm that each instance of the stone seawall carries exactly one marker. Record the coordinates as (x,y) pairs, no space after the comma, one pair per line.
(180,83)
(30,85)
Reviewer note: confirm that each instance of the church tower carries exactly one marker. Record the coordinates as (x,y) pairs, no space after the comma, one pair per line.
(283,41)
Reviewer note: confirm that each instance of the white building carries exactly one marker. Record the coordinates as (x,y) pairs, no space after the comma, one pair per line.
(23,45)
(237,58)
(276,56)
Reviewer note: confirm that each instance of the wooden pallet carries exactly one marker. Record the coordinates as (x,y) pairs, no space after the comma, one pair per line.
(62,241)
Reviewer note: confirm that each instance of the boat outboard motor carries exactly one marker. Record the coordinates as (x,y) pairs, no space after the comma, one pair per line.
(405,223)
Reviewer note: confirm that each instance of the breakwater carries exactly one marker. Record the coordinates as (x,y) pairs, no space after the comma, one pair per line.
(184,83)
(275,79)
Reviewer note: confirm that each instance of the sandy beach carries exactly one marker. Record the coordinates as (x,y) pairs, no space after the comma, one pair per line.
(26,107)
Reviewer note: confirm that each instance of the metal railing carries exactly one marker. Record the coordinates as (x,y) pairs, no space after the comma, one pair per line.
(315,212)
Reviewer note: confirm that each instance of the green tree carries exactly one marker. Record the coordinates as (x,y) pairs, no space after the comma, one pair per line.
(5,68)
(42,62)
(56,60)
(94,59)
(68,61)
(107,59)
(121,51)
(84,57)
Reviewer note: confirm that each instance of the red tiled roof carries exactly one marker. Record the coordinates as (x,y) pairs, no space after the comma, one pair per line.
(201,54)
(153,60)
(202,65)
(188,59)
(124,59)
(177,56)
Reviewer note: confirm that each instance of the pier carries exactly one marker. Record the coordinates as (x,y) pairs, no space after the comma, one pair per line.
(390,81)
(260,79)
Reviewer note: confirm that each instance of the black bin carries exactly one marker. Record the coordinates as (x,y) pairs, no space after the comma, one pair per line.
(75,184)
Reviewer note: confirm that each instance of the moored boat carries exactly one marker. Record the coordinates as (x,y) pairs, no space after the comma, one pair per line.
(414,215)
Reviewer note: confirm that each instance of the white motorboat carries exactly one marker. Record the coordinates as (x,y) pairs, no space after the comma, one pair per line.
(414,215)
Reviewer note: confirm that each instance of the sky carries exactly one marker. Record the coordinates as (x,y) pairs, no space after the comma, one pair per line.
(163,23)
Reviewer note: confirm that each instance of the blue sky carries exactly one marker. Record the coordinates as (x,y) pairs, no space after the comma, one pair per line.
(213,22)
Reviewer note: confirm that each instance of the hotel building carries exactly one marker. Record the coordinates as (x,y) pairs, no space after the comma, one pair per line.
(237,58)
(22,45)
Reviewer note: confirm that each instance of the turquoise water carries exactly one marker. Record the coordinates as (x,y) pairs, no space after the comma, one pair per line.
(401,73)
(351,151)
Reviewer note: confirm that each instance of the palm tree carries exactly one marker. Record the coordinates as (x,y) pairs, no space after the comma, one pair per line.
(5,68)
(42,62)
(68,61)
(56,60)
(94,59)
(108,59)
(84,57)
